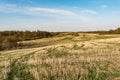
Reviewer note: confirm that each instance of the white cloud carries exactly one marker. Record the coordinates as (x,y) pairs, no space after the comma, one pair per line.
(54,11)
(12,8)
(88,11)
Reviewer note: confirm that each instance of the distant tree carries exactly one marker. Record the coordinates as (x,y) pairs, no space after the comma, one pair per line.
(75,34)
(0,46)
(117,30)
(111,31)
(9,44)
(6,44)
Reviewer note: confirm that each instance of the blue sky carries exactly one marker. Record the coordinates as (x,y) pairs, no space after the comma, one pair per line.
(59,15)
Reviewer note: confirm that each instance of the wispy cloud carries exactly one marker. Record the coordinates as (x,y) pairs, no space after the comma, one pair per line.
(12,8)
(54,11)
(88,11)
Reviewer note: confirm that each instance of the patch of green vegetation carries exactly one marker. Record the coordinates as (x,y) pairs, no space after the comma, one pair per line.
(77,47)
(53,52)
(116,71)
(117,74)
(118,44)
(104,36)
(20,71)
(92,74)
(45,65)
(67,38)
(95,72)
(2,67)
(82,45)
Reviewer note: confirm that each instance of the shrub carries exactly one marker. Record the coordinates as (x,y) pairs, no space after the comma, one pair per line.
(9,44)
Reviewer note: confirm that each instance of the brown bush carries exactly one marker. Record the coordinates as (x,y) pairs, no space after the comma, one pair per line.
(9,44)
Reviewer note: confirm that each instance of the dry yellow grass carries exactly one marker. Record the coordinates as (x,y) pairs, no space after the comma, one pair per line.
(96,59)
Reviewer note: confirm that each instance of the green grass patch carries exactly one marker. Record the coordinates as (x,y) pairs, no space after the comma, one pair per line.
(53,52)
(20,71)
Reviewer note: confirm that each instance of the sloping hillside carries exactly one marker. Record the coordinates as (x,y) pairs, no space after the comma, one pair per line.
(63,58)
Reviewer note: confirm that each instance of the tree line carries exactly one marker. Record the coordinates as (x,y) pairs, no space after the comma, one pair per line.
(116,31)
(9,39)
